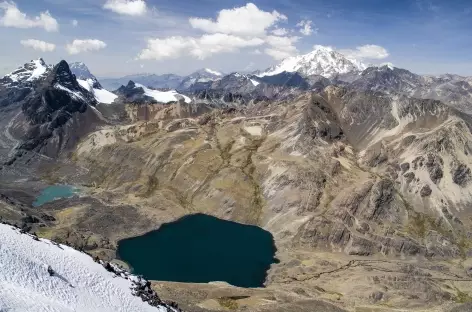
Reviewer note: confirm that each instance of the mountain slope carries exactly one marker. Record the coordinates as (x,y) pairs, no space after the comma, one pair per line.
(91,84)
(322,61)
(29,72)
(166,81)
(453,90)
(200,76)
(77,284)
(139,94)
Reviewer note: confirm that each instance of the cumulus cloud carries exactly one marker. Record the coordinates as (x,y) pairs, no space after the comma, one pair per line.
(368,51)
(78,46)
(246,20)
(75,23)
(281,47)
(280,32)
(38,45)
(126,7)
(201,48)
(13,17)
(305,27)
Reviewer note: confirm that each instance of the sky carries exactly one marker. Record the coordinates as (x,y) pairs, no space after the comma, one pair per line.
(122,37)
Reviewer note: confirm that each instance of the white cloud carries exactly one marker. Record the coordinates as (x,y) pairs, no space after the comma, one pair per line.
(167,48)
(368,51)
(281,47)
(201,48)
(38,45)
(280,31)
(13,17)
(78,46)
(127,7)
(75,23)
(218,43)
(247,20)
(256,52)
(305,27)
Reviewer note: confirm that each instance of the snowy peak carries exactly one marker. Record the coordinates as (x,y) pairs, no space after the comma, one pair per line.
(213,72)
(200,76)
(88,81)
(81,71)
(138,93)
(27,73)
(322,61)
(206,73)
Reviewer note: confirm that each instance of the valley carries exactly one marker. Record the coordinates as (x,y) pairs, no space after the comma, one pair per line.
(364,187)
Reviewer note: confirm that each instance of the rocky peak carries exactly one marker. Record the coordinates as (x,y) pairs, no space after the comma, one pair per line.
(81,71)
(25,75)
(387,79)
(62,75)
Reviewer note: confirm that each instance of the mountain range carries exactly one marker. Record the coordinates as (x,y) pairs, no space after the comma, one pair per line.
(361,174)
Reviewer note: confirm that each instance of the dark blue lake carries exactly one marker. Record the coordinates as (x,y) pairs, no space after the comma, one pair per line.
(201,249)
(54,192)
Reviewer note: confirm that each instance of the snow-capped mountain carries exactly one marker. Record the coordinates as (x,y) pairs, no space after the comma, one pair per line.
(101,95)
(166,81)
(200,76)
(322,61)
(81,71)
(27,73)
(47,110)
(91,84)
(139,94)
(40,275)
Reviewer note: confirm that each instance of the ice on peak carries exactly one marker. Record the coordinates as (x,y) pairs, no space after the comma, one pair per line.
(28,72)
(163,96)
(324,61)
(388,65)
(101,95)
(213,72)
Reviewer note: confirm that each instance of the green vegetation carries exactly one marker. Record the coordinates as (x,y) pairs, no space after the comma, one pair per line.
(228,303)
(462,297)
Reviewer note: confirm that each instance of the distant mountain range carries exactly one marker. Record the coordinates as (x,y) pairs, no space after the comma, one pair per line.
(166,81)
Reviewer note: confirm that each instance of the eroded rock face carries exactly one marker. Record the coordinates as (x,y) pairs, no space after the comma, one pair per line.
(426,191)
(461,174)
(435,164)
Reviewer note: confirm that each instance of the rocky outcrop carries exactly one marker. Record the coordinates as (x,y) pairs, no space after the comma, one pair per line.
(461,174)
(131,94)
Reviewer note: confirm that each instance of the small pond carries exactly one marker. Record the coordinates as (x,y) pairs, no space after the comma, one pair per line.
(201,249)
(54,192)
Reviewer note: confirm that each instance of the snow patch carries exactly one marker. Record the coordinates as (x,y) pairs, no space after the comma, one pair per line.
(255,83)
(101,95)
(164,96)
(75,94)
(78,283)
(213,72)
(39,70)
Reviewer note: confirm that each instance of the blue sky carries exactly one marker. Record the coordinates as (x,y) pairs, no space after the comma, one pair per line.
(157,36)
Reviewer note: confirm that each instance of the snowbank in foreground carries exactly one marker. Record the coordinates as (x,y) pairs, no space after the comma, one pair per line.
(78,284)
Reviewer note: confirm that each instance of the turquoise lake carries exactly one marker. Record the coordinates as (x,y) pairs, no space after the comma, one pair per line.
(201,249)
(54,192)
